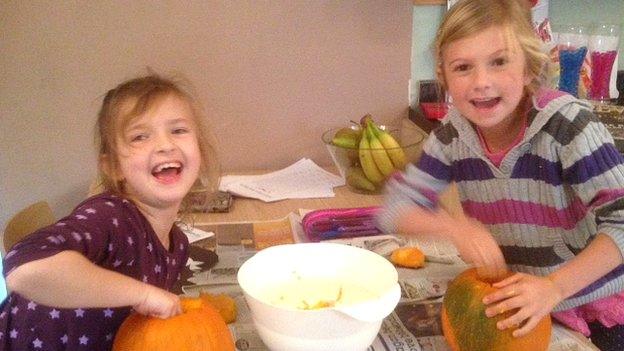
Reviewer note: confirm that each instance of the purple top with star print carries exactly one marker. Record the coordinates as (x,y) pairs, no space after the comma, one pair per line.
(111,232)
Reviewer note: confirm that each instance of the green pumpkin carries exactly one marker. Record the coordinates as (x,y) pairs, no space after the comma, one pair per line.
(467,328)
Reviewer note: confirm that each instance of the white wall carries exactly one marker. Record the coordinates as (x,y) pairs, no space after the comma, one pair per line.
(272,74)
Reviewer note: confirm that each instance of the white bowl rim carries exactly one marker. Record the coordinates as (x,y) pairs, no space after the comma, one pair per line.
(384,263)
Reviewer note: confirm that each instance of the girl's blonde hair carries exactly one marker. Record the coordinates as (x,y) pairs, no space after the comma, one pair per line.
(130,100)
(469,17)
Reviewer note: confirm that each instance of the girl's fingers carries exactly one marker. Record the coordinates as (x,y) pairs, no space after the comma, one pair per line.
(503,294)
(490,262)
(515,278)
(493,268)
(488,271)
(493,311)
(526,328)
(530,297)
(178,310)
(508,303)
(514,321)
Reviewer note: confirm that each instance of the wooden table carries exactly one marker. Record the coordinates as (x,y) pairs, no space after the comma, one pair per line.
(246,209)
(250,210)
(253,210)
(237,226)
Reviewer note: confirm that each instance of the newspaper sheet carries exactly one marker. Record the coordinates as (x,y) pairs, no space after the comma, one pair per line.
(414,325)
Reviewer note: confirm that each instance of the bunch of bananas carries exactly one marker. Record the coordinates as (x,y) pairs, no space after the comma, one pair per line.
(374,153)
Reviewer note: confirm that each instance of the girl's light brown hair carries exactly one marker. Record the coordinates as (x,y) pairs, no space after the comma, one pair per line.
(469,17)
(132,99)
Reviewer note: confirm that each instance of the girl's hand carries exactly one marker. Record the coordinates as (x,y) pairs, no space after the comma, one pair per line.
(159,303)
(477,246)
(533,296)
(473,241)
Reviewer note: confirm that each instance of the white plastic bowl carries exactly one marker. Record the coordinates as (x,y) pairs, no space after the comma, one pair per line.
(351,324)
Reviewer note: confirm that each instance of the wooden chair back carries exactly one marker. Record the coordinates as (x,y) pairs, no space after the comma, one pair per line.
(26,221)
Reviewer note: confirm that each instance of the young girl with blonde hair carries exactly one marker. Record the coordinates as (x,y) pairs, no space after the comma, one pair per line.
(539,179)
(74,282)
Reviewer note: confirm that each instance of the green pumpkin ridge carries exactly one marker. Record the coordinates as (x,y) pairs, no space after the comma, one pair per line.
(459,303)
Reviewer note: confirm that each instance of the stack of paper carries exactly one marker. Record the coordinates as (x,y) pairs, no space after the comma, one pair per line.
(301,180)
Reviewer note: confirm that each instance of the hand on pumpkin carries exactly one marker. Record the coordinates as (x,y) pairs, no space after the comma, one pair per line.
(534,297)
(477,246)
(473,241)
(158,303)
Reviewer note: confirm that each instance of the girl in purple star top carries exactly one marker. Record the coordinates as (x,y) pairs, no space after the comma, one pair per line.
(538,176)
(74,282)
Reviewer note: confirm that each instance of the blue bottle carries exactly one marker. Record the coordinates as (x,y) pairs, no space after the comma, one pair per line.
(570,62)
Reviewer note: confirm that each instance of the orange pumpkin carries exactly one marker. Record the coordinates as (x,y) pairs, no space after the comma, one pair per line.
(467,328)
(222,303)
(198,328)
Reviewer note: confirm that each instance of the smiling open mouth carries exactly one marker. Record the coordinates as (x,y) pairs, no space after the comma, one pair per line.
(167,171)
(486,103)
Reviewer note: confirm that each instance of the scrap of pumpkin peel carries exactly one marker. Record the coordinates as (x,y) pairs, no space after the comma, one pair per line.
(410,257)
(190,304)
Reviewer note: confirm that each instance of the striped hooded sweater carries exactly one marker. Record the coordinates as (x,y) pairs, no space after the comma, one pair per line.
(551,194)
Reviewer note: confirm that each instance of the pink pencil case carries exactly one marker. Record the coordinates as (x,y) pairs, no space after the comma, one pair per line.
(340,223)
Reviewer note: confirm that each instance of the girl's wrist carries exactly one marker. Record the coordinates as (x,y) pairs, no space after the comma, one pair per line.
(455,229)
(557,285)
(142,291)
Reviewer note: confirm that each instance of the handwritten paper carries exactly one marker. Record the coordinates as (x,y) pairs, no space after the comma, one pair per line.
(301,180)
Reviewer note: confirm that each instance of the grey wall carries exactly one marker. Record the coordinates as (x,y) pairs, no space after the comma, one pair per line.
(273,75)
